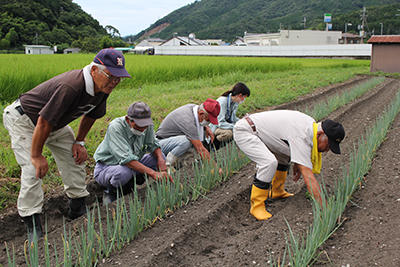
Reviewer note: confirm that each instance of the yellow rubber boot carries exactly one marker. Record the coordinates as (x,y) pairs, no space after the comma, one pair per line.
(278,186)
(257,202)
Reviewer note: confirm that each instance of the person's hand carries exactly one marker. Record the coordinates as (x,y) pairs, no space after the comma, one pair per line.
(41,166)
(220,171)
(296,173)
(162,175)
(209,133)
(161,165)
(79,153)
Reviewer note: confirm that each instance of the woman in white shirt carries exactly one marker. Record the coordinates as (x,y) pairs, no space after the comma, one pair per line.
(229,102)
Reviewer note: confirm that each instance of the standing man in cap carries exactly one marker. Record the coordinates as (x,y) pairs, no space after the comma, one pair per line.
(274,139)
(121,158)
(40,117)
(185,127)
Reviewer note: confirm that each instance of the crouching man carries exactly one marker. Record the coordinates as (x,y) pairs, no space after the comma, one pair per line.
(121,157)
(185,127)
(273,139)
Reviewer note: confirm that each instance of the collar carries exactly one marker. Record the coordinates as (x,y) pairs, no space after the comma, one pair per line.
(228,105)
(89,85)
(200,129)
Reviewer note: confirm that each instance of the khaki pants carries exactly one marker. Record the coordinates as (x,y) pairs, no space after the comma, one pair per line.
(223,135)
(20,128)
(262,148)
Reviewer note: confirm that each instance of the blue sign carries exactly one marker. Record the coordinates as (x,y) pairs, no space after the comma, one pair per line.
(327,17)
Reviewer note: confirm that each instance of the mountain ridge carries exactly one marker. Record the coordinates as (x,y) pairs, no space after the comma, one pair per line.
(226,19)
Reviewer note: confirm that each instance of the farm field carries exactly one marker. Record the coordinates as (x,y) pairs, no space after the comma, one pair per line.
(217,229)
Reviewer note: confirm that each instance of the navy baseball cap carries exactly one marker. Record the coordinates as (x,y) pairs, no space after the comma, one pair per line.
(335,133)
(113,60)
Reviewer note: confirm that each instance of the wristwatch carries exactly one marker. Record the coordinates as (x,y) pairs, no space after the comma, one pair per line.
(81,143)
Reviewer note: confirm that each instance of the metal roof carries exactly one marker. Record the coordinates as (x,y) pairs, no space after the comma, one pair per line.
(384,39)
(37,46)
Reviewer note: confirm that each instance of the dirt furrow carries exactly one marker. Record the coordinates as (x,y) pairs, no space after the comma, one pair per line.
(370,235)
(218,230)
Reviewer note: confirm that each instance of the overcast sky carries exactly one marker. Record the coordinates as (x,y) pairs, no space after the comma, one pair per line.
(130,17)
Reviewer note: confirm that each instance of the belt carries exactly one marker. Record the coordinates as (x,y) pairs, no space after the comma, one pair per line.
(20,110)
(251,123)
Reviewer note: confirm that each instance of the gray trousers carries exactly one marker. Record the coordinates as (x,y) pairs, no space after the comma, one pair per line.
(262,148)
(20,127)
(114,176)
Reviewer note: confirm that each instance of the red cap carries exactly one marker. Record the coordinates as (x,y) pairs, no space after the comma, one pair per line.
(212,107)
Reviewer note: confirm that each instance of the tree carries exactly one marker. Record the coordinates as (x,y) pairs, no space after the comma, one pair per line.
(106,42)
(90,44)
(112,31)
(12,37)
(4,44)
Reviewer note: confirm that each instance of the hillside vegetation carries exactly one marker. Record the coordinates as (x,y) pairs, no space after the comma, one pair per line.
(50,22)
(227,19)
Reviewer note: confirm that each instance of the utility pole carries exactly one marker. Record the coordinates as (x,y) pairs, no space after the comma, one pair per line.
(363,20)
(304,21)
(381,28)
(345,31)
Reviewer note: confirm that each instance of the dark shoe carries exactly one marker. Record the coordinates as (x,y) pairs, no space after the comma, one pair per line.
(215,145)
(77,207)
(139,179)
(109,196)
(33,227)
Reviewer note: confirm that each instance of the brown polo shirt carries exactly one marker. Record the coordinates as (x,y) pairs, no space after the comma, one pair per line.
(62,99)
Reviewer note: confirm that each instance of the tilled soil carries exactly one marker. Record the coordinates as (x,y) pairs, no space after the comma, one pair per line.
(370,235)
(218,230)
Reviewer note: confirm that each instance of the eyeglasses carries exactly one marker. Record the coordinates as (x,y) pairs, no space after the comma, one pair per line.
(111,78)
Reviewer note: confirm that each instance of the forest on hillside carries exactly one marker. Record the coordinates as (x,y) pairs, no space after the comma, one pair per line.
(227,19)
(52,22)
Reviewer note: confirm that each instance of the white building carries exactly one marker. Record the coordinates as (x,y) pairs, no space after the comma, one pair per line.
(150,42)
(214,41)
(72,50)
(184,41)
(293,37)
(38,49)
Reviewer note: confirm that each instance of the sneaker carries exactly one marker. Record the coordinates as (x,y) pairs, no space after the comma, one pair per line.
(109,196)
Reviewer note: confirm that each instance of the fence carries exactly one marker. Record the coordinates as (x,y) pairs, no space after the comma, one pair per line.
(348,50)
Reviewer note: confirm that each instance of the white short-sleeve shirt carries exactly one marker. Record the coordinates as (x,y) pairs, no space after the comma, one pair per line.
(292,126)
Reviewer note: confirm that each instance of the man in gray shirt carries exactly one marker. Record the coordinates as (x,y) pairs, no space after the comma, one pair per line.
(185,127)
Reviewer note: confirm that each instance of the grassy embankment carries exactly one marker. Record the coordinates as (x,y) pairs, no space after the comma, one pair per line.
(165,83)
